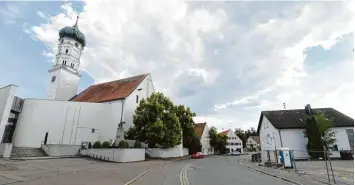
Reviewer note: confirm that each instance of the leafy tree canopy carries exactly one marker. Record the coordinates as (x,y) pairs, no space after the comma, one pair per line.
(319,134)
(155,121)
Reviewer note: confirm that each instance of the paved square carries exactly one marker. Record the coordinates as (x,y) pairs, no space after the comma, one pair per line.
(70,171)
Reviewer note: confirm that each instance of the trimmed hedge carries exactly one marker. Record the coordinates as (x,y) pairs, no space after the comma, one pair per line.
(137,144)
(105,144)
(123,144)
(97,144)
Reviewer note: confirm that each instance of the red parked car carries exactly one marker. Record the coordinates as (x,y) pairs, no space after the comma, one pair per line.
(197,155)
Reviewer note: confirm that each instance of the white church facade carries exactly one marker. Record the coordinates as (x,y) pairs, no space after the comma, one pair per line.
(64,116)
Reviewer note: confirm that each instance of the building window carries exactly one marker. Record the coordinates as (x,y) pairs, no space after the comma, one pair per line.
(64,62)
(137,98)
(76,44)
(72,65)
(66,51)
(62,41)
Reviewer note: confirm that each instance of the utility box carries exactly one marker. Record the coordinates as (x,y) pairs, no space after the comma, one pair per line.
(286,158)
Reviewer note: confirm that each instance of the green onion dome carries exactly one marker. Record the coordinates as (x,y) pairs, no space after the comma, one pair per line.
(73,32)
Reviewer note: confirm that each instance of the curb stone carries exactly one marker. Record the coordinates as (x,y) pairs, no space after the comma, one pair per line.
(270,174)
(151,169)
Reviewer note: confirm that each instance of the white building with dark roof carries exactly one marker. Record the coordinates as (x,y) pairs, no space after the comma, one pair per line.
(284,129)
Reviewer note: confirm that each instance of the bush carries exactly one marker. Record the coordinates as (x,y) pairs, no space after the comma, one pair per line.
(97,144)
(105,144)
(123,144)
(137,144)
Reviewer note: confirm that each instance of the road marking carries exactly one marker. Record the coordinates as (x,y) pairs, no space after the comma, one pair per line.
(183,175)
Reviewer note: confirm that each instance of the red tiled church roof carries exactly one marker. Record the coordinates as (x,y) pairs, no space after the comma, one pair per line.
(224,132)
(199,127)
(110,91)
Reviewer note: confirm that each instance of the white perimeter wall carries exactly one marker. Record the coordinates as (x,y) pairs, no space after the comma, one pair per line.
(66,123)
(58,150)
(6,99)
(166,153)
(5,150)
(116,155)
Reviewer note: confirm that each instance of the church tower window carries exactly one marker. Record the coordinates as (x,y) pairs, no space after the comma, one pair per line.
(66,51)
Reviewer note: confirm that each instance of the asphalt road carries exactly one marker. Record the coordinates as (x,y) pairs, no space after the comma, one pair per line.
(214,170)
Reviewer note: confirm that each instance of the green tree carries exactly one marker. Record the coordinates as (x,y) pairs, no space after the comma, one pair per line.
(130,134)
(245,134)
(222,142)
(190,139)
(155,121)
(195,145)
(137,144)
(319,134)
(213,134)
(242,134)
(217,141)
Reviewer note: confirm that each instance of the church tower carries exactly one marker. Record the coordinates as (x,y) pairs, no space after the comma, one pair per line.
(64,76)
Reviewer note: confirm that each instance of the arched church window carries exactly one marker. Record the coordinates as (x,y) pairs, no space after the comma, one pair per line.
(66,51)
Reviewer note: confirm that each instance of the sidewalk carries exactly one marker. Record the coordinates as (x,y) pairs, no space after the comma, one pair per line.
(289,176)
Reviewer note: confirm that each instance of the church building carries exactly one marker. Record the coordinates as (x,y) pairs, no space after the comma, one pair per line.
(102,112)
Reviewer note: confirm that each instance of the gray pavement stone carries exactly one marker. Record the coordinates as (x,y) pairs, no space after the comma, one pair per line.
(290,175)
(71,171)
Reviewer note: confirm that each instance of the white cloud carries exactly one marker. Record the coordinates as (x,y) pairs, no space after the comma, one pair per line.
(253,63)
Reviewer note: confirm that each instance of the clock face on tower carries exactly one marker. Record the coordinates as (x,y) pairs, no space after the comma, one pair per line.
(53,79)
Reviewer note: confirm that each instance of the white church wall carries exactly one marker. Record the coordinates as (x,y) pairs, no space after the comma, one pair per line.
(131,104)
(58,150)
(7,94)
(66,123)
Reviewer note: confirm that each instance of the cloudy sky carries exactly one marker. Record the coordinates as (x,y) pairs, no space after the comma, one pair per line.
(228,61)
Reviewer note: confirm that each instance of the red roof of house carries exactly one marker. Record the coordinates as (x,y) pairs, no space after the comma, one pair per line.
(225,132)
(199,127)
(110,91)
